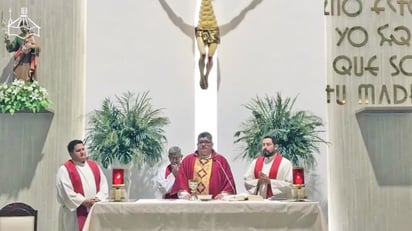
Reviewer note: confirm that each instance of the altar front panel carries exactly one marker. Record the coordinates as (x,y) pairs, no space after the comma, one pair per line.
(205,215)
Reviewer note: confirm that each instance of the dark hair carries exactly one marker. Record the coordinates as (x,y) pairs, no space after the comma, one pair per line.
(274,141)
(205,135)
(72,144)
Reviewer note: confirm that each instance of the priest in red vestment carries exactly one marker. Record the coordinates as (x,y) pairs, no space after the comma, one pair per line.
(207,167)
(270,174)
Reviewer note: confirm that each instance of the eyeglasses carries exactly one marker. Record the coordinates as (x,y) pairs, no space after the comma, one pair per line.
(205,142)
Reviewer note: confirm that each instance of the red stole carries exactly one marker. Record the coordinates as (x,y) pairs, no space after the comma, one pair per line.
(273,172)
(167,173)
(78,187)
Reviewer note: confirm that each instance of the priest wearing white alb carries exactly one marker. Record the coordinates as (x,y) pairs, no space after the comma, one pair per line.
(80,183)
(167,174)
(270,174)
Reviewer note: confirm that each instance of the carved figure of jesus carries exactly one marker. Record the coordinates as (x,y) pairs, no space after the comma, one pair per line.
(207,32)
(207,36)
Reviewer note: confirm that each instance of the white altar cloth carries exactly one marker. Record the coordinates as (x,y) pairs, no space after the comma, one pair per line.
(153,214)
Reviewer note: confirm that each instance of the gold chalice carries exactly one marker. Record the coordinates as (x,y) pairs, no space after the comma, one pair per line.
(193,187)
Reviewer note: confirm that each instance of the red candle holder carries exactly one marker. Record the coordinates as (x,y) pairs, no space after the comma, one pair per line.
(118,177)
(298,176)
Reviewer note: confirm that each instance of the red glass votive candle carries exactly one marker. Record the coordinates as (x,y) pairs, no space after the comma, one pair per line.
(118,176)
(298,176)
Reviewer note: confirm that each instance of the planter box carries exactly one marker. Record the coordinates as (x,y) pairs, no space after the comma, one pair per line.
(22,137)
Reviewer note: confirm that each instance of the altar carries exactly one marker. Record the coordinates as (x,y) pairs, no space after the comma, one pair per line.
(156,214)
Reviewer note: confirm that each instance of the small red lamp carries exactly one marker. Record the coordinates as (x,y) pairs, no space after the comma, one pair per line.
(298,176)
(298,188)
(118,176)
(118,186)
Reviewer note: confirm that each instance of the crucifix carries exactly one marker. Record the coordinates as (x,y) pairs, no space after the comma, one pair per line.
(207,36)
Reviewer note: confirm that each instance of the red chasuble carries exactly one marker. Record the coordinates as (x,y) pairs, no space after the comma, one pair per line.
(272,173)
(78,187)
(221,178)
(167,173)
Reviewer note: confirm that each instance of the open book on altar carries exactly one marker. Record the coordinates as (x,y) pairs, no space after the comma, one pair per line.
(243,197)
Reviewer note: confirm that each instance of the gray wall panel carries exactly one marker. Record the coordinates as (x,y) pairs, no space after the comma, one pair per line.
(61,72)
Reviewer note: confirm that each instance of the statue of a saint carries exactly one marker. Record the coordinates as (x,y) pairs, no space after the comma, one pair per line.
(26,53)
(24,45)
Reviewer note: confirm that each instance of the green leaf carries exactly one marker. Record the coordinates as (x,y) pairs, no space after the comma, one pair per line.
(127,128)
(297,133)
(17,96)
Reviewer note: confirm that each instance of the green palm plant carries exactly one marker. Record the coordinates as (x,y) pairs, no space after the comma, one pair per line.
(128,129)
(297,133)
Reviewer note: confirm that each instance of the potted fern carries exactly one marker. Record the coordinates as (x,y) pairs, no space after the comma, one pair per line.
(127,130)
(297,133)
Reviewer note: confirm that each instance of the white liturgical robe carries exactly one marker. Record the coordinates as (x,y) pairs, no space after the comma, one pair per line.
(281,185)
(164,184)
(70,200)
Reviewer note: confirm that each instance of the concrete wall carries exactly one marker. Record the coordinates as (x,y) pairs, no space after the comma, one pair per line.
(266,47)
(61,72)
(369,159)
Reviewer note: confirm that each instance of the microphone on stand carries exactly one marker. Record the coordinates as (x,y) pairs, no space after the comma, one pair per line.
(226,176)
